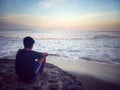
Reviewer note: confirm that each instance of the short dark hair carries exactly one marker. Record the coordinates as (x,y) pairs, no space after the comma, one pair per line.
(28,42)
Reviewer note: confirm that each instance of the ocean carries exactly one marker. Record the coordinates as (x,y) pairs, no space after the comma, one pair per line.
(94,46)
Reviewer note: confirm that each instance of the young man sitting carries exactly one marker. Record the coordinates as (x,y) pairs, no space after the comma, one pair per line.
(26,66)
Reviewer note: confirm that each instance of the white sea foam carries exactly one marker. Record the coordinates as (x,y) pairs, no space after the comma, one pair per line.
(91,46)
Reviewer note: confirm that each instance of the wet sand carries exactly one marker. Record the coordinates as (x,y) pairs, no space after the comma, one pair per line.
(94,76)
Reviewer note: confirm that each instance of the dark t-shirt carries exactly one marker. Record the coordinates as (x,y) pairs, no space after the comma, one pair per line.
(25,62)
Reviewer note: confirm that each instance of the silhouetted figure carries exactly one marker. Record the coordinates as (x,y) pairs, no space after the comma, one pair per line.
(27,68)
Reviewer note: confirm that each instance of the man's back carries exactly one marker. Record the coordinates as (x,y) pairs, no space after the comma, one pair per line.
(24,64)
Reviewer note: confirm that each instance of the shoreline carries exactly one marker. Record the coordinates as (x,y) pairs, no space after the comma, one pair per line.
(94,76)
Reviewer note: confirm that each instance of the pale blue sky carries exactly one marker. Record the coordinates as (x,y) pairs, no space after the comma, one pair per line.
(78,14)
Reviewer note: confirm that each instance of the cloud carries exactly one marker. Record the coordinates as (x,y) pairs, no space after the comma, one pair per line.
(51,3)
(48,3)
(91,16)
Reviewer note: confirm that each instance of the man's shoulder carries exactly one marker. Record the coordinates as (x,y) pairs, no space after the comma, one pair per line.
(20,50)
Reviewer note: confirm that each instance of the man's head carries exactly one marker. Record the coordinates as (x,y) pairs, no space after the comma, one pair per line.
(28,42)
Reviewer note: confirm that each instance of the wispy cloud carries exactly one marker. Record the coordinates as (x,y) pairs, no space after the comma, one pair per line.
(101,15)
(52,3)
(49,3)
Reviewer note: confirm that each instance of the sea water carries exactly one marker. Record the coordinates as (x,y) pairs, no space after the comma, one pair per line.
(94,46)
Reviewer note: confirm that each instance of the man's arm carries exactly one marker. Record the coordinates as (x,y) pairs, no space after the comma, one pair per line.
(45,54)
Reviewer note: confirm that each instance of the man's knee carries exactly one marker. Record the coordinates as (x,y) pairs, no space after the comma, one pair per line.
(42,60)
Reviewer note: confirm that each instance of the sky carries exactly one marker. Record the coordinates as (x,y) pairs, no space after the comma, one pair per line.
(60,14)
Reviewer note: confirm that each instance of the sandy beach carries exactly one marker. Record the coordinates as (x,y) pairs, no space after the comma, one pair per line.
(94,76)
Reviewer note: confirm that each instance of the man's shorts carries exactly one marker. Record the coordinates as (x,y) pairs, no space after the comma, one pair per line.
(38,69)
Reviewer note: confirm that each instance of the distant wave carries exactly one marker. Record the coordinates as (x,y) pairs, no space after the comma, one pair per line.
(66,37)
(5,37)
(2,36)
(105,36)
(45,38)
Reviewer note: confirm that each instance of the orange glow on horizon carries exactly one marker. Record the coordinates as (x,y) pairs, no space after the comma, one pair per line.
(80,23)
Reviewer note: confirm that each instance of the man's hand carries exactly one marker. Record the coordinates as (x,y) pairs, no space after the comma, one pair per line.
(45,54)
